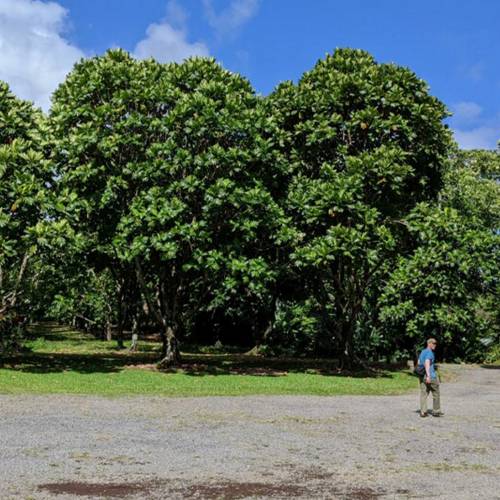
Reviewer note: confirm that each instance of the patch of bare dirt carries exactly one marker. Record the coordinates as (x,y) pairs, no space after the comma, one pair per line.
(106,490)
(235,490)
(268,372)
(360,494)
(232,490)
(143,366)
(227,490)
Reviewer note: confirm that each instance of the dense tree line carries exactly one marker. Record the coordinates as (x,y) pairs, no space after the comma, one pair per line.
(333,217)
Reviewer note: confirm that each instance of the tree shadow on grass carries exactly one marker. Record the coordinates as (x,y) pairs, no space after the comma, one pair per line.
(243,364)
(196,365)
(52,331)
(69,362)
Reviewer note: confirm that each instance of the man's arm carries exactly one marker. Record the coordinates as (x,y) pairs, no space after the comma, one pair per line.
(427,365)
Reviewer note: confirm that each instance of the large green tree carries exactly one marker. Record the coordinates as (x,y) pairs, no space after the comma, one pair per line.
(365,143)
(168,175)
(102,119)
(23,173)
(204,227)
(447,285)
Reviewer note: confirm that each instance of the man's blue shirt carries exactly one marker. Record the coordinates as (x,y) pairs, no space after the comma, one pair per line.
(428,354)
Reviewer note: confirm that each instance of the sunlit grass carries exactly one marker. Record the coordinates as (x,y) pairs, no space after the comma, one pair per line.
(142,382)
(63,361)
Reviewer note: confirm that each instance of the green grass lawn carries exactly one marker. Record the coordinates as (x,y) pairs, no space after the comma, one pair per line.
(62,361)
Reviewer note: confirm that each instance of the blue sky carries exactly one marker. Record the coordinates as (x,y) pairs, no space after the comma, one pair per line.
(453,44)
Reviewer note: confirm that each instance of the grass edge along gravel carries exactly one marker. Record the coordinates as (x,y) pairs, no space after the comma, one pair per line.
(129,382)
(64,361)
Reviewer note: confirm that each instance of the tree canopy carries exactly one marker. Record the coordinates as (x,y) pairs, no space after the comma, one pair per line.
(365,142)
(332,217)
(23,173)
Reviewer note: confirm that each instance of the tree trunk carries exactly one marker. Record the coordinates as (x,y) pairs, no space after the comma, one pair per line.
(134,345)
(109,331)
(255,351)
(122,314)
(347,344)
(135,335)
(171,355)
(119,332)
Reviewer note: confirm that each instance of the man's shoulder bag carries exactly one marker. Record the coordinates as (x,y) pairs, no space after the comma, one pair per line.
(419,370)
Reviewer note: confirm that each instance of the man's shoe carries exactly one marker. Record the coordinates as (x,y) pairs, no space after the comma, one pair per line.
(437,414)
(423,414)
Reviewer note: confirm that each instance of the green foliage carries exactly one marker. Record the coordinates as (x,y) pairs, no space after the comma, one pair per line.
(448,285)
(86,299)
(204,226)
(365,142)
(472,187)
(332,217)
(493,354)
(22,174)
(298,330)
(102,119)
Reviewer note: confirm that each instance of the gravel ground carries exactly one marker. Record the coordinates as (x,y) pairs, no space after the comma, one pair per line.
(346,447)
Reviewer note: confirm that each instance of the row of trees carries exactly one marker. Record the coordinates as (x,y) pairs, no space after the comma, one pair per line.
(335,216)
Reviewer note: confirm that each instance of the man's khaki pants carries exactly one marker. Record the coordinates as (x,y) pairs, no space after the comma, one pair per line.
(424,392)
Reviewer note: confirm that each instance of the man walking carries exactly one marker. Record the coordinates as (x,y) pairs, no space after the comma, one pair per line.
(429,382)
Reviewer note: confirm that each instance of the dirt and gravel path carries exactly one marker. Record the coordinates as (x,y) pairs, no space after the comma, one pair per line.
(344,447)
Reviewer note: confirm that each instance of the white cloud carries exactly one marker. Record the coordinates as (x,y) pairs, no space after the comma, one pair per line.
(34,56)
(471,129)
(478,138)
(167,41)
(466,112)
(228,21)
(166,44)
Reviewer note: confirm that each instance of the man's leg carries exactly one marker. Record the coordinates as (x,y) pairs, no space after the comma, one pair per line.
(436,397)
(424,391)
